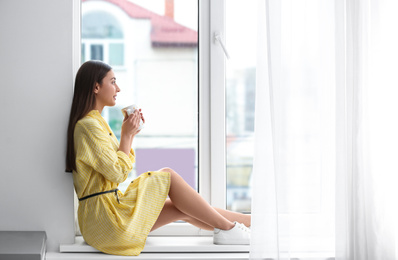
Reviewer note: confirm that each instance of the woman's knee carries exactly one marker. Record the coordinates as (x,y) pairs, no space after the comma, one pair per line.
(169,170)
(174,176)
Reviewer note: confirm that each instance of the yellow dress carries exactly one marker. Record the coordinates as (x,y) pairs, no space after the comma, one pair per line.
(107,225)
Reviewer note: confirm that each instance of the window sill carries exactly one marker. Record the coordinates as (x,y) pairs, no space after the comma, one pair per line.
(196,248)
(173,247)
(149,256)
(166,245)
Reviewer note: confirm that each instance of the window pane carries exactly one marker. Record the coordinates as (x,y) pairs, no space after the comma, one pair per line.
(240,97)
(116,54)
(159,55)
(100,25)
(97,52)
(83,58)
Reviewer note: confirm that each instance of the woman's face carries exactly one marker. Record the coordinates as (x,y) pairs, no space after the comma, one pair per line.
(106,92)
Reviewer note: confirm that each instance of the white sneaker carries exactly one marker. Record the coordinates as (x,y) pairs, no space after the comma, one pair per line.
(238,235)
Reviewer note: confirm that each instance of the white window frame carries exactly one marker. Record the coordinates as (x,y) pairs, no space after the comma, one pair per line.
(217,104)
(212,134)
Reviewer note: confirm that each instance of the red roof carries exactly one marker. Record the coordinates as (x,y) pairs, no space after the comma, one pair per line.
(165,31)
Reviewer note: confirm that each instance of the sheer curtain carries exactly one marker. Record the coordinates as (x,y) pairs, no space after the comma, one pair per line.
(324,172)
(367,127)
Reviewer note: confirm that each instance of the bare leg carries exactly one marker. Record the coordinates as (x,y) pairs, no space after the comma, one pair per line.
(235,216)
(189,202)
(170,214)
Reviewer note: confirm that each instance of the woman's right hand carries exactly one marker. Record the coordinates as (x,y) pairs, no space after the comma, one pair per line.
(131,123)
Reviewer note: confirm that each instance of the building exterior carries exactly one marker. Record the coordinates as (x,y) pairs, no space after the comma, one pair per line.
(154,59)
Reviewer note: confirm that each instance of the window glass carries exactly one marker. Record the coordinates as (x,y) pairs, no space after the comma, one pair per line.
(116,54)
(102,35)
(101,25)
(97,52)
(153,50)
(240,97)
(83,54)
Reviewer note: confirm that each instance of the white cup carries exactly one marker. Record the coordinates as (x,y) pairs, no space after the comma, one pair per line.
(129,110)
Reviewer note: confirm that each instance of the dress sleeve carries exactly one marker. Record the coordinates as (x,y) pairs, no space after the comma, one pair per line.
(95,149)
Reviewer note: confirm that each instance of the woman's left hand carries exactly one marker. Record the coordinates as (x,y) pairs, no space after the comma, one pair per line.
(142,116)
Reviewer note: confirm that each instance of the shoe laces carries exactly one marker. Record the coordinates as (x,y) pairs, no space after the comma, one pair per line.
(243,227)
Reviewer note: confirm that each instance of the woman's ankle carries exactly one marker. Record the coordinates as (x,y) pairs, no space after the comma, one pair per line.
(230,226)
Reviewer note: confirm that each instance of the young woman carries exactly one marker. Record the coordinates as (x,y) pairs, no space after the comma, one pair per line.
(117,223)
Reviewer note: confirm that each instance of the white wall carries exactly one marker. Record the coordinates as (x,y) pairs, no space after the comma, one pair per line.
(36,90)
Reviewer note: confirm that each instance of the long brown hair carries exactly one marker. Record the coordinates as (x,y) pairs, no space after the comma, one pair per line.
(90,73)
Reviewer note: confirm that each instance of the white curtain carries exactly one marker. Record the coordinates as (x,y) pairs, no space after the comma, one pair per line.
(325,171)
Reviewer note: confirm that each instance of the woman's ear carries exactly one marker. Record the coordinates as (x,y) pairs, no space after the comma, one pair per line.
(96,88)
